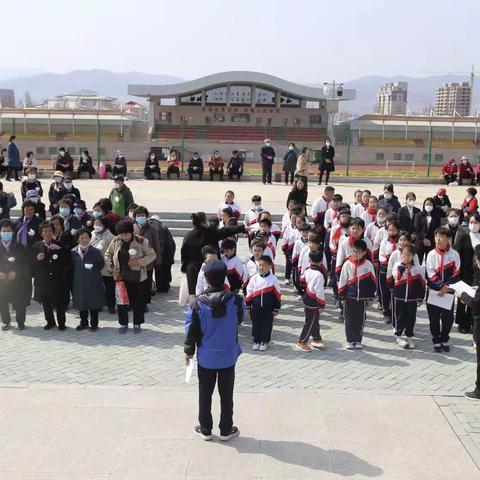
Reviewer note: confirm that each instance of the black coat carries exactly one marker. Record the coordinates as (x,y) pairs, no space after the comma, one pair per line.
(327,153)
(149,162)
(422,232)
(299,196)
(40,211)
(267,152)
(290,161)
(196,163)
(5,211)
(27,185)
(54,196)
(88,290)
(33,225)
(17,291)
(406,222)
(463,245)
(50,284)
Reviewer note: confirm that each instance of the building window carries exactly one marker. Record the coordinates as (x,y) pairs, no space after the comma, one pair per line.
(264,97)
(315,119)
(397,156)
(71,150)
(52,150)
(409,157)
(40,151)
(241,118)
(216,96)
(425,157)
(439,157)
(165,116)
(379,156)
(240,95)
(219,117)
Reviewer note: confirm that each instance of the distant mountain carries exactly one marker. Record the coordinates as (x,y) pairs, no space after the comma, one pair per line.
(421,90)
(48,85)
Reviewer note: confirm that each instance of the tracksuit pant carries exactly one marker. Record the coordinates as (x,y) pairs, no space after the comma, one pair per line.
(355,314)
(333,275)
(312,325)
(441,322)
(206,385)
(405,315)
(288,264)
(464,316)
(262,324)
(385,293)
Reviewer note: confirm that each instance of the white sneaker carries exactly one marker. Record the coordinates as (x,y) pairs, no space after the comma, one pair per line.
(255,346)
(263,347)
(358,346)
(287,281)
(411,343)
(317,344)
(350,346)
(402,342)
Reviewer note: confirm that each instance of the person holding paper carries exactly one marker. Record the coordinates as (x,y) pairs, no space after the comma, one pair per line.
(466,241)
(474,304)
(211,327)
(443,268)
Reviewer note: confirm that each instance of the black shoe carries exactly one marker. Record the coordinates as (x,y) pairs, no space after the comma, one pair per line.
(207,436)
(475,395)
(21,326)
(49,326)
(93,329)
(112,310)
(79,328)
(445,348)
(235,432)
(62,327)
(463,330)
(437,348)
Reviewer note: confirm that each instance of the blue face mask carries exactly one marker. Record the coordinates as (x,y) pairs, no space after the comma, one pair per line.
(78,211)
(6,236)
(97,214)
(141,220)
(65,212)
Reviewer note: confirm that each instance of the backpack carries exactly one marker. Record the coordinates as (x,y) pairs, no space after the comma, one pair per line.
(12,201)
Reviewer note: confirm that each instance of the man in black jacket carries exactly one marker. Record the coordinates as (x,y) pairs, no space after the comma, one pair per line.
(195,167)
(268,157)
(4,207)
(407,213)
(235,165)
(64,161)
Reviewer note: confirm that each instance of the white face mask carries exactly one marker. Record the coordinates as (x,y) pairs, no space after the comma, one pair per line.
(474,227)
(62,153)
(290,147)
(440,197)
(380,219)
(388,195)
(268,144)
(97,228)
(31,177)
(428,208)
(453,221)
(327,144)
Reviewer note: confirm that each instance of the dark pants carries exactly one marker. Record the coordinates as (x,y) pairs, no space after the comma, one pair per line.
(68,287)
(385,293)
(441,322)
(312,325)
(148,172)
(289,175)
(85,167)
(476,337)
(93,318)
(119,171)
(206,385)
(192,276)
(20,314)
(333,274)
(234,171)
(213,172)
(109,284)
(450,178)
(163,277)
(320,176)
(478,178)
(355,315)
(63,169)
(288,264)
(296,276)
(464,316)
(405,316)
(137,302)
(146,286)
(267,171)
(50,317)
(12,171)
(468,180)
(173,170)
(191,172)
(262,324)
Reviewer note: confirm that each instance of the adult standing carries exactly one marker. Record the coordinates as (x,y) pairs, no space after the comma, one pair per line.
(327,165)
(406,214)
(163,270)
(268,158)
(301,170)
(290,163)
(152,165)
(212,330)
(465,242)
(88,291)
(299,194)
(453,222)
(14,163)
(64,161)
(202,234)
(28,226)
(425,224)
(14,277)
(121,197)
(127,257)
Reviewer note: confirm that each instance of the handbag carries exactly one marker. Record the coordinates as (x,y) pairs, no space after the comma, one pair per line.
(183,293)
(121,295)
(131,276)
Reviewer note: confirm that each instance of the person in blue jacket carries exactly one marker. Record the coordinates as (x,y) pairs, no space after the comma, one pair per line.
(14,163)
(212,329)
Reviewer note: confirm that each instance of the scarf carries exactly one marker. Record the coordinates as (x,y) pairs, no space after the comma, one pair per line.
(22,235)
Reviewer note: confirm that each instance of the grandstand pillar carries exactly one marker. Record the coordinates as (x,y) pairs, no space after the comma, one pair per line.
(277,99)
(151,117)
(98,143)
(253,97)
(204,98)
(430,135)
(229,88)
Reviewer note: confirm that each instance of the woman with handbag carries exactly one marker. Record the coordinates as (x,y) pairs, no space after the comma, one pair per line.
(127,257)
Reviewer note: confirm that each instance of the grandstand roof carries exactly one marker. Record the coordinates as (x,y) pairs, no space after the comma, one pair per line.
(237,78)
(46,114)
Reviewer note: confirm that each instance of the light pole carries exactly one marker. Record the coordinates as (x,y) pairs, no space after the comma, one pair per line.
(332,92)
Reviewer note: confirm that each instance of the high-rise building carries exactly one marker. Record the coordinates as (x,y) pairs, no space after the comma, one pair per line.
(392,98)
(7,98)
(453,98)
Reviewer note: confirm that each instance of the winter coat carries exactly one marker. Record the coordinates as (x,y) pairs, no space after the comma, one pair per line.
(466,171)
(4,209)
(27,185)
(101,241)
(33,225)
(54,196)
(88,289)
(14,156)
(166,244)
(327,154)
(290,161)
(149,232)
(267,152)
(15,259)
(463,245)
(120,205)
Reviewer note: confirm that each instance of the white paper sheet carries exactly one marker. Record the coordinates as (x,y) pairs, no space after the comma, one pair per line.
(189,370)
(444,301)
(462,287)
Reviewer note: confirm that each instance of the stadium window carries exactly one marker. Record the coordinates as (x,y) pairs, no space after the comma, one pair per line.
(165,116)
(52,150)
(379,156)
(409,157)
(220,117)
(241,118)
(40,151)
(397,156)
(439,157)
(71,150)
(425,157)
(315,119)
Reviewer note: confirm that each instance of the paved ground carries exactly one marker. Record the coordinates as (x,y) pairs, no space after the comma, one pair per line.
(110,406)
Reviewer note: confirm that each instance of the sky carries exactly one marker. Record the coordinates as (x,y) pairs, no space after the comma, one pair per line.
(307,41)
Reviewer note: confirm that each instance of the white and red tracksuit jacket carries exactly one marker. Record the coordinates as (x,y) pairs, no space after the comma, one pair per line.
(290,236)
(319,209)
(408,282)
(202,283)
(368,216)
(263,291)
(304,262)
(234,206)
(314,283)
(336,233)
(234,271)
(443,267)
(251,217)
(330,215)
(357,280)
(345,250)
(387,247)
(394,258)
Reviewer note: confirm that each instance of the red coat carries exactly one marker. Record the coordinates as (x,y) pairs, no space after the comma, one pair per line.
(466,170)
(449,169)
(470,206)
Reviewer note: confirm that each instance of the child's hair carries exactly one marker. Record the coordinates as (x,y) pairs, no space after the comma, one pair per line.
(315,257)
(267,259)
(208,250)
(291,204)
(213,221)
(296,211)
(406,235)
(359,222)
(329,188)
(373,197)
(256,198)
(302,217)
(262,236)
(409,249)
(314,237)
(395,223)
(229,244)
(383,209)
(265,221)
(391,217)
(257,243)
(228,211)
(337,198)
(197,218)
(232,222)
(367,191)
(443,231)
(360,245)
(306,227)
(356,191)
(230,191)
(265,214)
